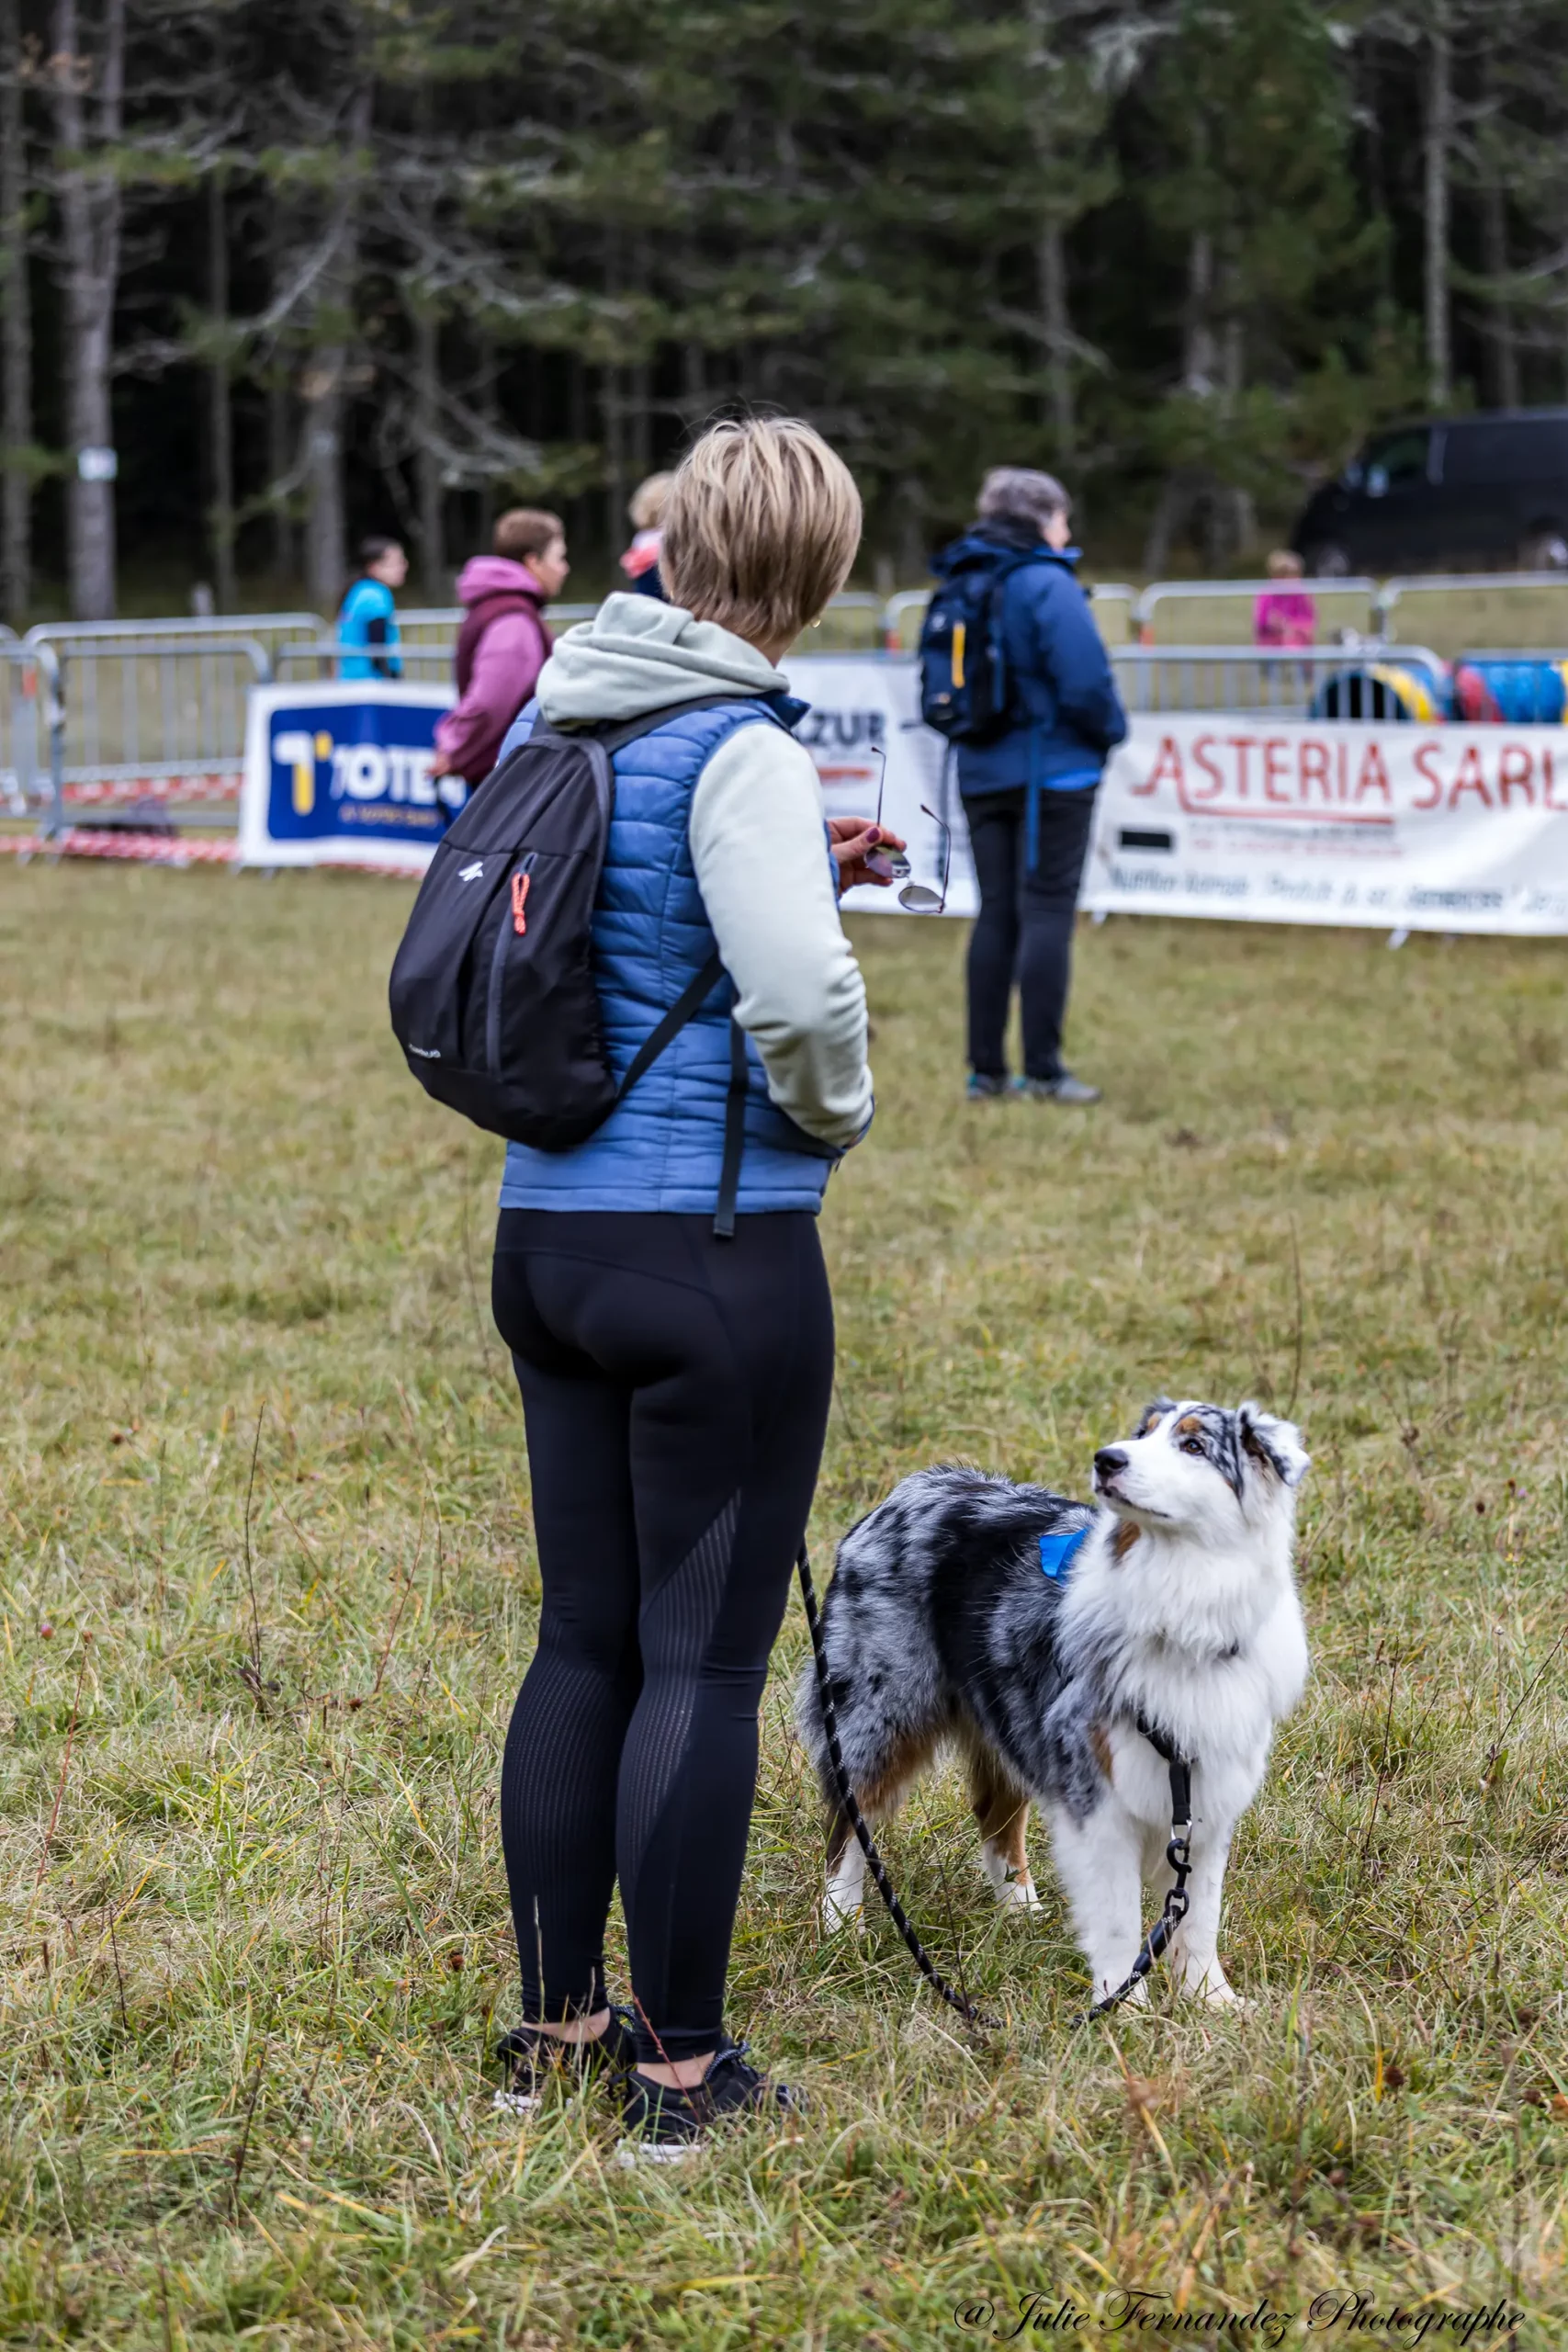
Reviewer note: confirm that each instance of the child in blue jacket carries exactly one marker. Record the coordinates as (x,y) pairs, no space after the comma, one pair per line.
(368,616)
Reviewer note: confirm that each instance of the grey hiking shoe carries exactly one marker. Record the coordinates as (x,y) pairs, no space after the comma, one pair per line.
(982,1086)
(1066,1088)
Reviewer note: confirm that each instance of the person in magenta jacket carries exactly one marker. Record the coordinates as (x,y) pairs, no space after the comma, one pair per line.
(503,644)
(1286,615)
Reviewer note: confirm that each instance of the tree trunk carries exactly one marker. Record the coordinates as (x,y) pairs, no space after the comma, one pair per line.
(1438,142)
(220,416)
(488,407)
(326,558)
(1498,316)
(1200,356)
(17,355)
(90,224)
(323,386)
(694,382)
(613,404)
(280,436)
(1051,265)
(429,494)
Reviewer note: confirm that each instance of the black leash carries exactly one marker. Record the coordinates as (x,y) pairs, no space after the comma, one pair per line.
(1178,1853)
(856,1819)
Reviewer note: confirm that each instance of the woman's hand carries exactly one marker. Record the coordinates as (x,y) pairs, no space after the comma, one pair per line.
(853,839)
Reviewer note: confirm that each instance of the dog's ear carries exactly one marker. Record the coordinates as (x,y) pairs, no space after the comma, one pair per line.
(1275,1445)
(1153,1413)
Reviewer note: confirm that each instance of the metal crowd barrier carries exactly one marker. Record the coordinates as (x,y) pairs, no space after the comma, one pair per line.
(1450,610)
(155,718)
(1114,603)
(141,718)
(31,734)
(1226,608)
(1239,682)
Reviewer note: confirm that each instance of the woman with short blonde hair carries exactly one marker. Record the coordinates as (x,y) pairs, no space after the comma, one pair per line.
(662,1291)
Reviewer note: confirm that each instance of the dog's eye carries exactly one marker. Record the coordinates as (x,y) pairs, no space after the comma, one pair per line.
(1191,1445)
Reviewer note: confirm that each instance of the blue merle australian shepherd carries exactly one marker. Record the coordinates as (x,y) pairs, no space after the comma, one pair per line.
(1036,1633)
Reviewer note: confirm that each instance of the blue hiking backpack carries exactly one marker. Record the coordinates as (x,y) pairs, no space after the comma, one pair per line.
(966,692)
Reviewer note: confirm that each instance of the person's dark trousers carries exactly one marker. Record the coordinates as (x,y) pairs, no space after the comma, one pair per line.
(1024,930)
(676,1388)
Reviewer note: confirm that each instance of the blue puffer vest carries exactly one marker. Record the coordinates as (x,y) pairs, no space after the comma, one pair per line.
(662,1148)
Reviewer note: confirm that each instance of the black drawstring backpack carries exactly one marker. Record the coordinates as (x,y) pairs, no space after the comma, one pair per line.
(492,994)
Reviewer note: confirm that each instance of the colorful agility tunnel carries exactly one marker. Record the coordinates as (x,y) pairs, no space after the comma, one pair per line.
(1384,690)
(1507,689)
(1517,690)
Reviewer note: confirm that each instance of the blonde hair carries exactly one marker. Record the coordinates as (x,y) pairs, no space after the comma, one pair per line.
(1285,564)
(762,527)
(648,501)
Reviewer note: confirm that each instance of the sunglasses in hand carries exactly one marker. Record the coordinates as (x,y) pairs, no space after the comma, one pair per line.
(916,898)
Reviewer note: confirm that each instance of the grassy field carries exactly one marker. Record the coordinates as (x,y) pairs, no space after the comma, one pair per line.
(268,1587)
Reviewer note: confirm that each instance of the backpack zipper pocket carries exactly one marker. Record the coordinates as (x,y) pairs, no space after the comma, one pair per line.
(513,924)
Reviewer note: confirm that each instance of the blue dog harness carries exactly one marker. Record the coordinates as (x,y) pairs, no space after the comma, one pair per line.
(1057,1552)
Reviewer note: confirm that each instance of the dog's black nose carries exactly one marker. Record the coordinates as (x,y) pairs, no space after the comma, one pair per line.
(1109,1460)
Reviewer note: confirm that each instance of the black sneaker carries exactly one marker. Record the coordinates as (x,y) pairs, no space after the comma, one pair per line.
(536,2059)
(663,2125)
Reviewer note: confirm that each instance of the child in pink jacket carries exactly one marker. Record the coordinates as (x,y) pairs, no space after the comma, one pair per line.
(503,644)
(1284,615)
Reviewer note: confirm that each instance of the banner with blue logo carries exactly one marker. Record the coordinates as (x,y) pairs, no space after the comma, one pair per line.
(341,774)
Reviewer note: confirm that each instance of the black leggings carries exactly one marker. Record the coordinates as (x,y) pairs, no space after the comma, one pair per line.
(675,1390)
(1024,930)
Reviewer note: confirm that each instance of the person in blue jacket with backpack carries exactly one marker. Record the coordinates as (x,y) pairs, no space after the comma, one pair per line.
(1016,675)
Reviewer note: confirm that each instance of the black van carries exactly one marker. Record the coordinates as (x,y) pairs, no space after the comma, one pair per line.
(1463,493)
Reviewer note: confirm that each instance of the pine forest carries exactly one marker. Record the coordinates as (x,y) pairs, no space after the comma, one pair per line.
(387,264)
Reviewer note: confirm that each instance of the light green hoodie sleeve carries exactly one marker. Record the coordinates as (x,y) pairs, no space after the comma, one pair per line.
(763,870)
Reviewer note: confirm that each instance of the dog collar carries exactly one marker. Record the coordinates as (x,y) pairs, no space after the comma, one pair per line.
(1057,1552)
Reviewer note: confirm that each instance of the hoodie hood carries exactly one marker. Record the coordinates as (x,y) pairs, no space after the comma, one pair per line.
(495,575)
(636,655)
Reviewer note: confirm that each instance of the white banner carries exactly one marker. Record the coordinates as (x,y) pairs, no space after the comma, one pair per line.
(1393,827)
(866,707)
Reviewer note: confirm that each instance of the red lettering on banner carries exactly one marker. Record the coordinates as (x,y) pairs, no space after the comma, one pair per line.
(1339,761)
(1314,766)
(1168,763)
(1241,745)
(1549,775)
(1424,752)
(1469,778)
(1203,754)
(1515,772)
(1276,766)
(1373,777)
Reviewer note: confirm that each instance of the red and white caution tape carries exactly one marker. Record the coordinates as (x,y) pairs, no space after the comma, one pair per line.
(165,849)
(97,792)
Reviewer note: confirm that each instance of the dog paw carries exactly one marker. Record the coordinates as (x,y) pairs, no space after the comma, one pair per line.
(1019,1894)
(1215,1994)
(839,1917)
